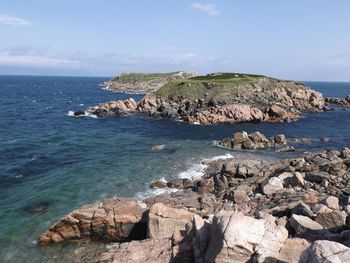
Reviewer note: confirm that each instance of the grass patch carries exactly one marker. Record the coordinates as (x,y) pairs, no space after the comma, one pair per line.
(221,76)
(226,87)
(139,77)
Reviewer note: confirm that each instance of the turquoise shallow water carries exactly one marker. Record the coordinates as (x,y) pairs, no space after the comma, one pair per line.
(57,162)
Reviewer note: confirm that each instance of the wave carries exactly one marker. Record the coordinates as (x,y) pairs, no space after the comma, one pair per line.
(86,114)
(195,171)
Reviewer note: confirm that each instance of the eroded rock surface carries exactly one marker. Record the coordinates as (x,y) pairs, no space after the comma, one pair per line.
(116,219)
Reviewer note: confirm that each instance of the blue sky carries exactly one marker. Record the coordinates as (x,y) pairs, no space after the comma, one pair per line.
(293,39)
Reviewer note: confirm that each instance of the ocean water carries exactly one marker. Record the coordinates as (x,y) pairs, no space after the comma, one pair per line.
(52,163)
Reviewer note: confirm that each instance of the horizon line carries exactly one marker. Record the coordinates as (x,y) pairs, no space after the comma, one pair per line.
(103,76)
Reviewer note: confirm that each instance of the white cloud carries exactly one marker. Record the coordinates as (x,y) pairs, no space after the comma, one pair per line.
(209,9)
(36,61)
(104,64)
(13,20)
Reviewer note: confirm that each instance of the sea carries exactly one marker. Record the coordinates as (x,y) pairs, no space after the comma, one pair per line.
(52,162)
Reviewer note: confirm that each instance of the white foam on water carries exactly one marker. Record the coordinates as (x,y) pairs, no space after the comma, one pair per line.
(153,192)
(197,170)
(70,113)
(87,114)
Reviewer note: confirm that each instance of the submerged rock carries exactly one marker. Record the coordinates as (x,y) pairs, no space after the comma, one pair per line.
(158,148)
(38,207)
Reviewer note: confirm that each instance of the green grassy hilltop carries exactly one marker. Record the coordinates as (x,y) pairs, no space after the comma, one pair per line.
(221,86)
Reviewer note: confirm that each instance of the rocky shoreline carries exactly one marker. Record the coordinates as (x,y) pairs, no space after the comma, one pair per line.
(293,210)
(241,210)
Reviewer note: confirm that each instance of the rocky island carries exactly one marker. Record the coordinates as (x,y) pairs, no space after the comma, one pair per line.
(218,98)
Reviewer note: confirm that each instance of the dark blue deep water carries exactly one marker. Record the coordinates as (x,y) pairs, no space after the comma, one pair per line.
(52,163)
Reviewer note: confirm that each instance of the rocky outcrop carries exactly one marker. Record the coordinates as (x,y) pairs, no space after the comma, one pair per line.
(144,83)
(116,219)
(111,109)
(263,99)
(255,140)
(337,101)
(227,114)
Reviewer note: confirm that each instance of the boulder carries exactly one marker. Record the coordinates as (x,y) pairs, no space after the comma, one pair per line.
(317,177)
(326,251)
(292,251)
(272,186)
(146,251)
(115,219)
(297,180)
(332,221)
(164,222)
(302,209)
(305,225)
(158,184)
(331,201)
(321,208)
(277,113)
(198,231)
(240,197)
(235,237)
(280,139)
(258,137)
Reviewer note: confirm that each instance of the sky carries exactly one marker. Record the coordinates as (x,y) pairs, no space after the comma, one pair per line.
(290,39)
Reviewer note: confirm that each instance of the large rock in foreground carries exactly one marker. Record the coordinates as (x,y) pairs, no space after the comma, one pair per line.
(235,238)
(327,252)
(147,251)
(116,219)
(165,222)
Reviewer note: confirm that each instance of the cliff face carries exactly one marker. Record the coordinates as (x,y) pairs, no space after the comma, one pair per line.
(238,99)
(144,83)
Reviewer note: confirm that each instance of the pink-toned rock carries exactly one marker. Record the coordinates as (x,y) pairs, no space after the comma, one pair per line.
(110,220)
(331,201)
(321,208)
(166,222)
(272,186)
(277,113)
(327,252)
(147,251)
(231,113)
(235,237)
(147,104)
(293,250)
(125,106)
